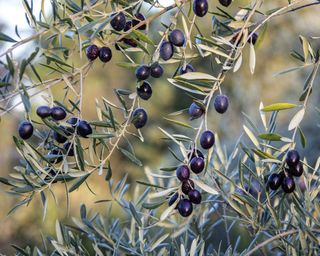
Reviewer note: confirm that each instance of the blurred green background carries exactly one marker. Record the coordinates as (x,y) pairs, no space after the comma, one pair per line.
(244,90)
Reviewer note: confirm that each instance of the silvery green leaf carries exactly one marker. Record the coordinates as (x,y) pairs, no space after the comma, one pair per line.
(158,242)
(263,116)
(59,232)
(205,187)
(251,136)
(176,122)
(305,46)
(238,63)
(130,156)
(296,120)
(161,193)
(213,50)
(194,89)
(193,248)
(252,58)
(196,76)
(135,214)
(167,211)
(182,250)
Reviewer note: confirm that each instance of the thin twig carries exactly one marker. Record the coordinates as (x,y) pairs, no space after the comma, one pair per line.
(24,41)
(119,137)
(303,6)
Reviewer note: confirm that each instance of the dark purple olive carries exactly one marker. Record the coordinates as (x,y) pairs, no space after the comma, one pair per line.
(156,70)
(254,38)
(221,103)
(118,22)
(296,170)
(58,113)
(275,181)
(185,207)
(166,50)
(207,139)
(183,172)
(200,7)
(197,164)
(139,118)
(288,185)
(62,136)
(194,196)
(92,52)
(73,121)
(225,3)
(177,38)
(51,175)
(143,72)
(195,110)
(25,130)
(105,54)
(292,158)
(127,40)
(131,42)
(84,129)
(186,186)
(116,46)
(43,111)
(128,26)
(144,91)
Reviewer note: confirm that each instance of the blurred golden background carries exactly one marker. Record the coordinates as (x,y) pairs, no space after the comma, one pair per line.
(245,91)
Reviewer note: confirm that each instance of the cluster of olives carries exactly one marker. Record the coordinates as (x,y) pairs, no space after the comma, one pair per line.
(176,38)
(144,91)
(104,53)
(184,205)
(197,109)
(118,23)
(285,178)
(200,9)
(196,164)
(143,72)
(61,135)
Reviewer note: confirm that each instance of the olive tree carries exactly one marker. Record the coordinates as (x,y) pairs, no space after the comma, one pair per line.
(265,186)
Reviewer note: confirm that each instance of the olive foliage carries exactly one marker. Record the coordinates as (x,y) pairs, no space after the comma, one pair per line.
(239,190)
